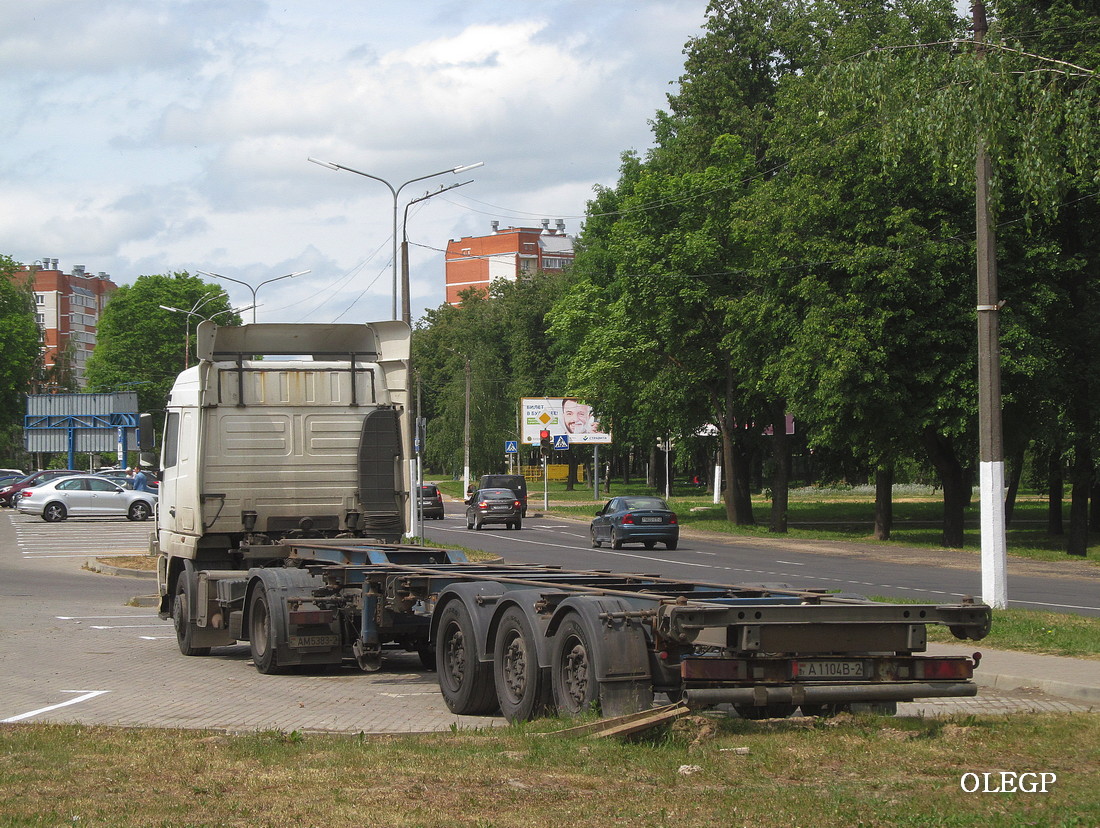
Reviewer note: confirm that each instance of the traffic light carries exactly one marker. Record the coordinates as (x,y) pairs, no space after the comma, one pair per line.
(545,442)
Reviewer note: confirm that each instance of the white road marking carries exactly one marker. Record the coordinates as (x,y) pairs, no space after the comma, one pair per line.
(126,626)
(87,694)
(97,617)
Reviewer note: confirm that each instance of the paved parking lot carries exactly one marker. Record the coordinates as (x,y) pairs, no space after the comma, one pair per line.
(76,649)
(79,537)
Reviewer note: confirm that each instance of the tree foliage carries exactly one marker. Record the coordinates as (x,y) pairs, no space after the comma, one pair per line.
(140,346)
(21,338)
(503,336)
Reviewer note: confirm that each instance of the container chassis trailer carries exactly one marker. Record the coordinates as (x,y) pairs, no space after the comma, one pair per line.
(531,639)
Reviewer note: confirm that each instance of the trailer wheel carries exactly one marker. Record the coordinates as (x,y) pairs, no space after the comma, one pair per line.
(520,687)
(572,672)
(465,682)
(261,633)
(181,618)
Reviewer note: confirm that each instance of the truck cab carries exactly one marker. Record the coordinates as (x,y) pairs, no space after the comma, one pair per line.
(283,431)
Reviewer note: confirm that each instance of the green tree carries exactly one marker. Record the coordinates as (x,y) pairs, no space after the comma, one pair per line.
(21,338)
(1030,97)
(140,346)
(503,335)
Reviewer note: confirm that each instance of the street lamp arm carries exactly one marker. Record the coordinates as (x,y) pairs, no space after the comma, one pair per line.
(277,278)
(332,166)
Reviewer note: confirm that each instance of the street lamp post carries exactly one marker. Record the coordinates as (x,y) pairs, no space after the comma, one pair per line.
(395,192)
(187,323)
(253,289)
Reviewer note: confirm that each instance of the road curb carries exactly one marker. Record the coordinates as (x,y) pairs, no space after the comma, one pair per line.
(1061,689)
(96,565)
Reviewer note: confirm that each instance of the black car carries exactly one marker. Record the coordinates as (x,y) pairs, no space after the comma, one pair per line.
(635,519)
(516,482)
(9,495)
(431,502)
(494,506)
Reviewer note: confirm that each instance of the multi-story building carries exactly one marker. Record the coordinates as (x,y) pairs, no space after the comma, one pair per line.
(511,253)
(68,307)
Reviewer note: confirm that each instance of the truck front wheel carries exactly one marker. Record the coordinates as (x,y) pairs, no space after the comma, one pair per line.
(465,682)
(261,633)
(181,618)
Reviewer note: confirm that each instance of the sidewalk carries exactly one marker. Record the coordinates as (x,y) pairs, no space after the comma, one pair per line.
(1067,678)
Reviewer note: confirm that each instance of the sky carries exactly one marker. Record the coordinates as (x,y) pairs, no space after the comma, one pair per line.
(156,136)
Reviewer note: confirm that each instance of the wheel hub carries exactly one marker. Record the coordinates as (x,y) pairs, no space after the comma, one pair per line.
(514,668)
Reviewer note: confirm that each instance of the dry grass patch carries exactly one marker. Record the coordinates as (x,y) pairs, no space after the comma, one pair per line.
(855,770)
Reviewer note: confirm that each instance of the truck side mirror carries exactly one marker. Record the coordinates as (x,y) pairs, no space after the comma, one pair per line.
(145,432)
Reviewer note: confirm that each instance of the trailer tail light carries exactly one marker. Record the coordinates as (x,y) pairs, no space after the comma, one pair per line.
(307,617)
(943,668)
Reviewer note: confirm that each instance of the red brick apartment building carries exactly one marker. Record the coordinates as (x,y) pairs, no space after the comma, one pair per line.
(511,253)
(68,307)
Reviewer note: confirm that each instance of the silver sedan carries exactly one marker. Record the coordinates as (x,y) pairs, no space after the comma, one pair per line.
(85,495)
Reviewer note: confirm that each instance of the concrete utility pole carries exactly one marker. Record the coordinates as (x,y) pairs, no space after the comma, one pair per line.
(991,442)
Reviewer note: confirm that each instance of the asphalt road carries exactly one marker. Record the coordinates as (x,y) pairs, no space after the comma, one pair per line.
(933,576)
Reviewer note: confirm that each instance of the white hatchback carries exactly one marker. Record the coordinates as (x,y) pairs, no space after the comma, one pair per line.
(85,495)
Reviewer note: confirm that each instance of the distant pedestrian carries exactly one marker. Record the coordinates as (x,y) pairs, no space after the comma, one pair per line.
(141,481)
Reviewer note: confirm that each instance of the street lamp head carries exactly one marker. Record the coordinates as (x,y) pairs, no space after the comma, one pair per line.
(169,308)
(328,164)
(466,167)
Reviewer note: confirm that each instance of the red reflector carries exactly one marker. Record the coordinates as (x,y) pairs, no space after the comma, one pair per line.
(303,617)
(937,668)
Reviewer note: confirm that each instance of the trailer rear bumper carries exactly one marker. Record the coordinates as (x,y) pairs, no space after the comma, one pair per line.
(799,694)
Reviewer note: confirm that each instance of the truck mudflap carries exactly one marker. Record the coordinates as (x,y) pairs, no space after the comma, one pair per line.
(794,681)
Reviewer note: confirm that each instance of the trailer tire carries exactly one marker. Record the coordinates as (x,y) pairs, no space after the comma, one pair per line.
(520,685)
(465,682)
(572,669)
(181,617)
(261,633)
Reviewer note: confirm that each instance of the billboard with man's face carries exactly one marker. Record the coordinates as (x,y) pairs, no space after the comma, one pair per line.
(560,415)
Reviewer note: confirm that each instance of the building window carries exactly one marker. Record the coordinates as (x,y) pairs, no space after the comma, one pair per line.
(553,263)
(40,298)
(40,318)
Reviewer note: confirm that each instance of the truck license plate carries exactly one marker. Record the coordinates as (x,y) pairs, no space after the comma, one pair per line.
(830,669)
(297,642)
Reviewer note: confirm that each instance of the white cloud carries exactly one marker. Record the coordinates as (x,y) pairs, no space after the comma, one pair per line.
(153,137)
